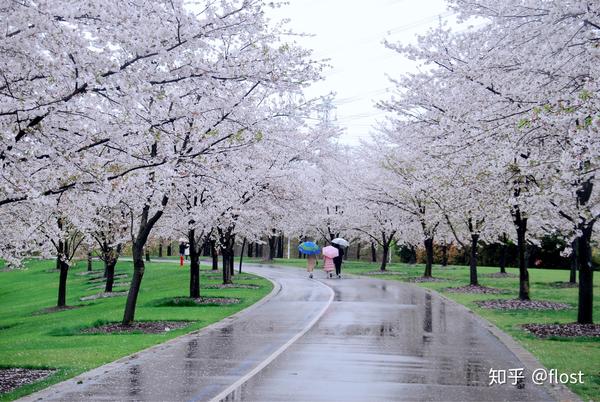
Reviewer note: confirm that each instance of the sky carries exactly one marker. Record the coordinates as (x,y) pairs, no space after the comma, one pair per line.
(350,34)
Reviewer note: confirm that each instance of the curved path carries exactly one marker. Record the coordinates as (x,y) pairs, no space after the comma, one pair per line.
(376,340)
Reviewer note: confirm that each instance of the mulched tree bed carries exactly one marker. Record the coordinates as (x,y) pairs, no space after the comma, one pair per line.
(103,295)
(12,378)
(94,272)
(146,327)
(236,277)
(563,285)
(202,301)
(115,285)
(55,309)
(242,277)
(569,330)
(103,279)
(421,279)
(516,304)
(500,275)
(384,273)
(232,286)
(475,289)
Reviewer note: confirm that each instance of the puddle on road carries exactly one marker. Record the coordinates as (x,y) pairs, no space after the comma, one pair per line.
(135,386)
(427,321)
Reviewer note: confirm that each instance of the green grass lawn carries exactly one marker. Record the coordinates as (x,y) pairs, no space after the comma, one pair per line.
(34,340)
(566,355)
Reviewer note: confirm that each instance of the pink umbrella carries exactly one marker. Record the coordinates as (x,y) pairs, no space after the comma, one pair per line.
(330,252)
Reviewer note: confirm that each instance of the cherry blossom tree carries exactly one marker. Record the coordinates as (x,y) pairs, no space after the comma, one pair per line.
(522,84)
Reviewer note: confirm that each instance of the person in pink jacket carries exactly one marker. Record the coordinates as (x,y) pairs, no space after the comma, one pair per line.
(328,266)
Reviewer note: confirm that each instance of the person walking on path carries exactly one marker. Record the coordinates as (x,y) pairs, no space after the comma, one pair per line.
(328,266)
(311,262)
(310,249)
(337,261)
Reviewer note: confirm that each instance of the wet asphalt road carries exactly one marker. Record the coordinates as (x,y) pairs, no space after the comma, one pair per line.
(377,341)
(384,341)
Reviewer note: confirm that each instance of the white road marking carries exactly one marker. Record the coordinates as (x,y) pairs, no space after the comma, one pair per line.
(275,354)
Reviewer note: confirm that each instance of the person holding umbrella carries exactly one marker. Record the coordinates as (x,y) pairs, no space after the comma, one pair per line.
(340,244)
(329,254)
(311,250)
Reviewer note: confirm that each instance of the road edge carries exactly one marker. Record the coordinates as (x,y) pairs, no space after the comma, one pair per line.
(105,368)
(530,362)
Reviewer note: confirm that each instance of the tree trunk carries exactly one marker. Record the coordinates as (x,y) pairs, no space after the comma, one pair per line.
(160,250)
(105,266)
(62,284)
(445,254)
(63,267)
(227,241)
(146,225)
(250,250)
(358,251)
(109,267)
(136,281)
(147,222)
(147,255)
(373,253)
(280,246)
(232,255)
(473,264)
(194,265)
(206,247)
(586,276)
(242,254)
(384,257)
(503,258)
(89,261)
(272,247)
(214,255)
(521,225)
(413,255)
(429,252)
(169,250)
(226,267)
(574,260)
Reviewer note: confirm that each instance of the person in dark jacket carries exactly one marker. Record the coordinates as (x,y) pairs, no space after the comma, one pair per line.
(337,261)
(182,248)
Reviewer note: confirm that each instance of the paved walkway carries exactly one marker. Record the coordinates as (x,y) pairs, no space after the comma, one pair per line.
(377,340)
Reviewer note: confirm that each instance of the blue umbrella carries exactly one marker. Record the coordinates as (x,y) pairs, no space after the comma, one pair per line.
(309,248)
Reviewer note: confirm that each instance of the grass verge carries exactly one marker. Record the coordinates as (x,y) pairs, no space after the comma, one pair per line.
(31,338)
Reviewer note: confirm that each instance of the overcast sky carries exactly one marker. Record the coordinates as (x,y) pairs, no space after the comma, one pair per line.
(350,33)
